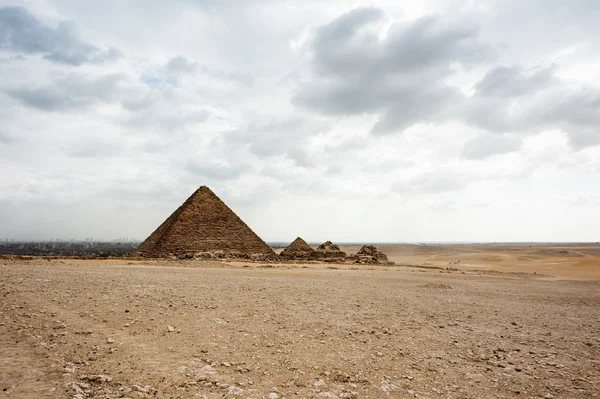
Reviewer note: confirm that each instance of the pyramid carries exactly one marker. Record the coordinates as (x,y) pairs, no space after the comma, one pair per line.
(202,225)
(329,250)
(298,249)
(369,254)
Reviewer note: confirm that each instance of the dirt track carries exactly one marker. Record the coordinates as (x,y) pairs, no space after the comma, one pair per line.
(101,329)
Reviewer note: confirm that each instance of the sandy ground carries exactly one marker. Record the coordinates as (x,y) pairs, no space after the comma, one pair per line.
(116,328)
(567,261)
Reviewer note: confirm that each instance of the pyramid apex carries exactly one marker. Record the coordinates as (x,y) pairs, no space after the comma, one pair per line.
(204,189)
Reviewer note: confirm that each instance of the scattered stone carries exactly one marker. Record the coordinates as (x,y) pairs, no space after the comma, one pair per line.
(99,378)
(144,389)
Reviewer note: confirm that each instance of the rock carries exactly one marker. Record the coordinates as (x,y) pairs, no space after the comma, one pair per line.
(319,383)
(273,395)
(100,378)
(235,391)
(144,389)
(170,328)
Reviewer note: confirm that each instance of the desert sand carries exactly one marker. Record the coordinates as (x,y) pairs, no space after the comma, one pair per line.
(568,261)
(431,327)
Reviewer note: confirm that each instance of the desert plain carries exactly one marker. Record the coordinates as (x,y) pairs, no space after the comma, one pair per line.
(448,321)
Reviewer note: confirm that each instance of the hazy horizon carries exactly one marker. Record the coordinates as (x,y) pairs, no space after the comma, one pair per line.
(276,243)
(433,121)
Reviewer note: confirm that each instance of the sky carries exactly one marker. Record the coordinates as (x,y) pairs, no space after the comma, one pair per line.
(381,121)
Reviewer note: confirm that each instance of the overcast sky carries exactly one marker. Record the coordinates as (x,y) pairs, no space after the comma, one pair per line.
(350,121)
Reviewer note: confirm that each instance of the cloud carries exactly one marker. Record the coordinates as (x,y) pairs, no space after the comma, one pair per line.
(430,182)
(401,73)
(360,66)
(68,91)
(92,147)
(6,139)
(512,100)
(139,106)
(216,170)
(487,145)
(181,65)
(21,32)
(166,108)
(515,81)
(6,60)
(280,136)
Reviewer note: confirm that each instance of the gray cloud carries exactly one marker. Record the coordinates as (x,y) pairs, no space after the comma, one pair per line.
(486,145)
(144,107)
(5,60)
(180,64)
(428,104)
(21,32)
(401,76)
(513,100)
(68,91)
(515,81)
(350,45)
(584,138)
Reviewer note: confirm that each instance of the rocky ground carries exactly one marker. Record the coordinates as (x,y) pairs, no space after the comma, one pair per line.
(116,329)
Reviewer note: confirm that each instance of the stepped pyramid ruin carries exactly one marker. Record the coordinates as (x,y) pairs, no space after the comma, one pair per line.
(298,249)
(204,226)
(369,254)
(329,251)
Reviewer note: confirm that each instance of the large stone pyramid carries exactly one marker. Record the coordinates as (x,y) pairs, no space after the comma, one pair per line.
(298,249)
(204,224)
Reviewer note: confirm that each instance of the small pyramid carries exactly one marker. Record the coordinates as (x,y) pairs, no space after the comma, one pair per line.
(204,224)
(298,249)
(329,250)
(371,251)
